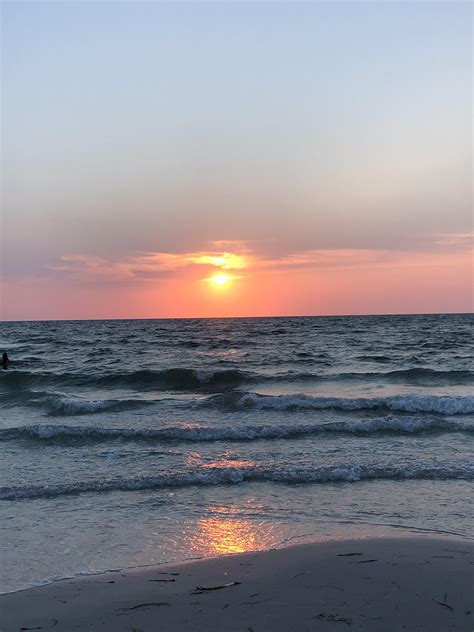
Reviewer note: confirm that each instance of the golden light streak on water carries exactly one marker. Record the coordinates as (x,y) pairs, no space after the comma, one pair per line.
(224,532)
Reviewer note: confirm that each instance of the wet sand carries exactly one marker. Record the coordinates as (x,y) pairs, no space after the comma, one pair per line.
(371,584)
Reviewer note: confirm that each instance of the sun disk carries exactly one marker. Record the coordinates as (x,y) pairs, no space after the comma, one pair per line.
(220,279)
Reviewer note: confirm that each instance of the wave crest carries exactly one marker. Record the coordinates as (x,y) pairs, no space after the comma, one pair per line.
(165,379)
(203,433)
(189,379)
(344,473)
(441,404)
(64,407)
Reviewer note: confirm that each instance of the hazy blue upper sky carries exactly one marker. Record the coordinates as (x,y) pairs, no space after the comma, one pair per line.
(148,126)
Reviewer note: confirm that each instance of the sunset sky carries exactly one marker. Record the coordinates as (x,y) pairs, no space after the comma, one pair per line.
(316,156)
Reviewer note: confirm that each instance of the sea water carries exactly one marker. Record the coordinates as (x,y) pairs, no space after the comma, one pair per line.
(125,443)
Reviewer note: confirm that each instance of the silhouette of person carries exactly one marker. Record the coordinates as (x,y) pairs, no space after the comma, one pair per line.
(5,361)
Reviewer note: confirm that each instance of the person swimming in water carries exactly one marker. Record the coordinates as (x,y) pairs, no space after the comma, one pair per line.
(5,361)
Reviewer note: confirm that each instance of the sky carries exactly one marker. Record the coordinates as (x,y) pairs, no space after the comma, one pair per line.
(316,157)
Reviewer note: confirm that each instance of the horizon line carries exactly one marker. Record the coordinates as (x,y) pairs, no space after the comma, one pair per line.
(75,320)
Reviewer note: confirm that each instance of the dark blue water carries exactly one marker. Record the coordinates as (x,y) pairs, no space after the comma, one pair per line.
(131,442)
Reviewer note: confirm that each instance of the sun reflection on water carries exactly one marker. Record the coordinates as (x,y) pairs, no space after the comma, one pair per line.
(225,532)
(226,460)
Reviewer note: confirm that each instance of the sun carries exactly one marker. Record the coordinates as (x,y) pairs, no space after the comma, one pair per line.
(220,279)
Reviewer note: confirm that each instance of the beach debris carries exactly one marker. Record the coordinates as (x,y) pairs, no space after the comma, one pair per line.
(200,589)
(348,554)
(364,561)
(300,574)
(146,605)
(38,628)
(163,573)
(163,581)
(323,616)
(443,603)
(335,587)
(254,603)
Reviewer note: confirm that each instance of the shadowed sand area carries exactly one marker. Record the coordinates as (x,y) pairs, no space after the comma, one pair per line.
(378,584)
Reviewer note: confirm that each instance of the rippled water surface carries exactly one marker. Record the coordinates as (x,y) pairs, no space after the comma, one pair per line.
(132,442)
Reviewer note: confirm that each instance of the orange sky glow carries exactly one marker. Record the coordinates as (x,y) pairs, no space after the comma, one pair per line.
(208,159)
(215,283)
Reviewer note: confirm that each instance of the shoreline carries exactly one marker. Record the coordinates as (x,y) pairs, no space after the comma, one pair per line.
(385,583)
(378,532)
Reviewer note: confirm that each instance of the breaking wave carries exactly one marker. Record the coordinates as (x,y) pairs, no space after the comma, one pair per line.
(59,406)
(232,475)
(441,404)
(62,405)
(203,433)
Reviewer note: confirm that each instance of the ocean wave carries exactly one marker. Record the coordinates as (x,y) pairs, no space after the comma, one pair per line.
(418,376)
(15,379)
(213,476)
(166,379)
(203,433)
(177,379)
(441,404)
(55,404)
(64,407)
(422,375)
(374,358)
(190,379)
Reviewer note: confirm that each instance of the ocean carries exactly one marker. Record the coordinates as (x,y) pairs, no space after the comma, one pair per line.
(127,443)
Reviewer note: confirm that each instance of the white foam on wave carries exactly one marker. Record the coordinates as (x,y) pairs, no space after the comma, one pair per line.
(442,404)
(204,375)
(64,406)
(58,405)
(347,473)
(202,433)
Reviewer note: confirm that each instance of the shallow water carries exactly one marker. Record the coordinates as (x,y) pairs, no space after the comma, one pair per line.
(131,442)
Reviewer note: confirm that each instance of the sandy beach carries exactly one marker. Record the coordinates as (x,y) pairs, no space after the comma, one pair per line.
(369,584)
